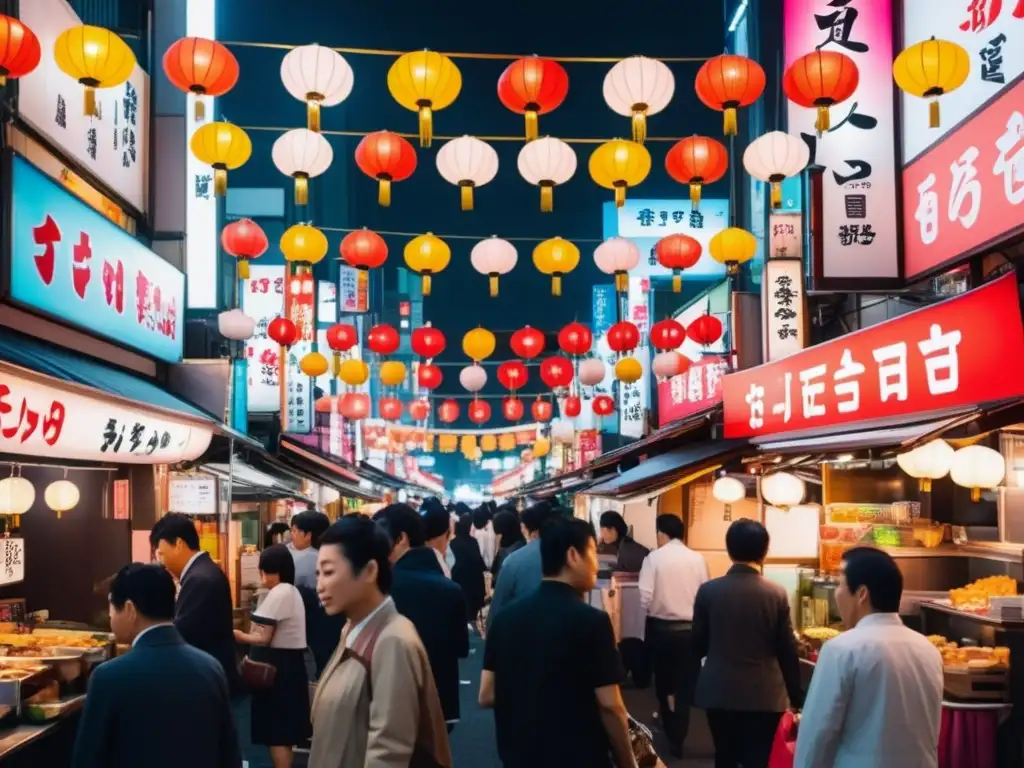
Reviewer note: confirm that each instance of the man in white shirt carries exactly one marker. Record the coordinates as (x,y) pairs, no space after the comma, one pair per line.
(669,579)
(875,699)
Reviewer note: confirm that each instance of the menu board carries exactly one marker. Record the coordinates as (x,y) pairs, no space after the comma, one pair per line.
(707,517)
(12,561)
(193,495)
(793,531)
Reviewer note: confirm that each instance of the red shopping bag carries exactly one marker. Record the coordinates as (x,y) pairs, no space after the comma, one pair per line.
(784,746)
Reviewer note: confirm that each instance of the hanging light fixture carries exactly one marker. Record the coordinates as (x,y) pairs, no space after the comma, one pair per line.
(96,58)
(236,325)
(468,163)
(17,495)
(303,155)
(493,257)
(547,162)
(319,76)
(619,165)
(782,490)
(729,491)
(977,467)
(62,495)
(775,157)
(927,462)
(638,87)
(424,82)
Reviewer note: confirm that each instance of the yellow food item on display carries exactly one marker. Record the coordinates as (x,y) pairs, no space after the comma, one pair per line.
(976,594)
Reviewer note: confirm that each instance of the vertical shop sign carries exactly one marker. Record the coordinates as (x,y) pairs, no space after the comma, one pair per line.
(858,152)
(588,445)
(12,561)
(688,393)
(634,398)
(784,308)
(263,300)
(787,238)
(299,307)
(122,500)
(353,290)
(604,317)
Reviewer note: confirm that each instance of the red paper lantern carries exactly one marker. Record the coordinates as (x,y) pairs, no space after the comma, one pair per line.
(821,79)
(386,157)
(428,342)
(429,376)
(342,337)
(575,339)
(448,411)
(697,160)
(390,408)
(728,82)
(603,405)
(556,372)
(667,334)
(533,86)
(512,374)
(571,407)
(383,339)
(364,249)
(623,337)
(527,342)
(678,252)
(200,66)
(479,411)
(419,410)
(512,408)
(283,331)
(541,410)
(245,240)
(21,50)
(354,406)
(705,330)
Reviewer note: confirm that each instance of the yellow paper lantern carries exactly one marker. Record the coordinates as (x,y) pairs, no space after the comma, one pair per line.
(303,244)
(427,255)
(354,372)
(628,370)
(392,373)
(468,444)
(506,442)
(224,147)
(541,447)
(556,257)
(489,443)
(478,344)
(447,443)
(95,57)
(314,364)
(732,247)
(930,69)
(619,165)
(424,81)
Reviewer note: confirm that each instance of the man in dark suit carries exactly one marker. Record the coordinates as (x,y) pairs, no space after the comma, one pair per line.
(431,601)
(742,625)
(162,686)
(203,612)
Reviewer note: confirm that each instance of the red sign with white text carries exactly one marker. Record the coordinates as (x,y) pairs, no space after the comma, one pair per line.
(960,352)
(968,191)
(688,393)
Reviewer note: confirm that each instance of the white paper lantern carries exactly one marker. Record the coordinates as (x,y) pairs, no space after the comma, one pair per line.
(236,325)
(927,462)
(729,490)
(547,162)
(977,467)
(668,364)
(782,489)
(638,87)
(592,371)
(616,256)
(17,495)
(774,157)
(318,76)
(493,257)
(303,155)
(563,431)
(60,496)
(473,378)
(468,163)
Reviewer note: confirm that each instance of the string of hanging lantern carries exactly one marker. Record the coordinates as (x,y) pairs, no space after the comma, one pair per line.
(442,137)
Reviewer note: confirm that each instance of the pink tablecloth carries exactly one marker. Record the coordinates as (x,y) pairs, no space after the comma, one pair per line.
(967,738)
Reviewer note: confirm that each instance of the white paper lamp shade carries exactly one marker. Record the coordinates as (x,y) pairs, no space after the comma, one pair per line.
(493,257)
(729,490)
(774,157)
(17,495)
(927,462)
(468,163)
(318,76)
(782,490)
(547,162)
(303,155)
(637,87)
(473,378)
(667,364)
(236,325)
(60,496)
(977,467)
(616,256)
(562,431)
(592,371)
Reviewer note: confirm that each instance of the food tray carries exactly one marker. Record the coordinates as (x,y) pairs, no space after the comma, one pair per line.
(977,684)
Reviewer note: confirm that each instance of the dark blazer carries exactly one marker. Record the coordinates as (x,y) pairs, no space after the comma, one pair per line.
(521,575)
(630,556)
(741,623)
(203,615)
(436,607)
(468,572)
(502,554)
(164,704)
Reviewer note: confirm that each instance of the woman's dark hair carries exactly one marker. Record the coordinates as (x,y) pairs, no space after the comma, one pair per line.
(534,517)
(670,525)
(746,541)
(557,537)
(397,519)
(436,521)
(506,524)
(482,516)
(312,522)
(464,526)
(616,522)
(150,588)
(277,528)
(172,527)
(278,561)
(876,570)
(361,540)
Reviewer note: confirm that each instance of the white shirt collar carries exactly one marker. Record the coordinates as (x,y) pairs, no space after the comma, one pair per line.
(354,633)
(880,620)
(188,565)
(149,629)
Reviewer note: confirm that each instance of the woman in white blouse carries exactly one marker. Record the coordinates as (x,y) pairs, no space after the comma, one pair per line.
(280,714)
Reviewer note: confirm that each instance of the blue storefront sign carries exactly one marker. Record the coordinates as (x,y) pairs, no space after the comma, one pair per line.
(240,395)
(72,264)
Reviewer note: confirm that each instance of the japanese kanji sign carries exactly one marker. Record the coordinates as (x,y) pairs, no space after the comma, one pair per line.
(969,190)
(299,307)
(782,286)
(353,290)
(263,300)
(688,393)
(858,152)
(634,399)
(992,33)
(960,352)
(40,420)
(12,561)
(71,263)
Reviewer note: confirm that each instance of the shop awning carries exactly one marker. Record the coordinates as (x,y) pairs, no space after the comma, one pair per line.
(658,474)
(324,469)
(250,484)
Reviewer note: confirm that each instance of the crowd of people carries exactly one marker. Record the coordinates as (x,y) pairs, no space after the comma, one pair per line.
(353,651)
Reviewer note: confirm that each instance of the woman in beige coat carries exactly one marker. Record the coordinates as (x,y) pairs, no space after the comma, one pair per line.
(376,705)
